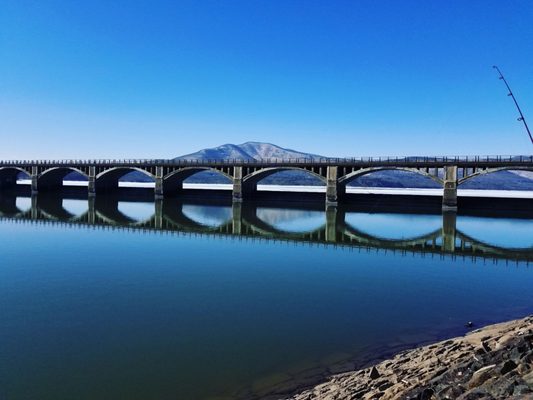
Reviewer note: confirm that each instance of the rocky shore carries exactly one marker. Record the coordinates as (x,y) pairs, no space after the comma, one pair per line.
(494,362)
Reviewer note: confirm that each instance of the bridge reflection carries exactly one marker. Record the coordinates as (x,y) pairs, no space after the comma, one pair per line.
(409,233)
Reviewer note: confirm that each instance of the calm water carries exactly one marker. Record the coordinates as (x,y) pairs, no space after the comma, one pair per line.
(130,300)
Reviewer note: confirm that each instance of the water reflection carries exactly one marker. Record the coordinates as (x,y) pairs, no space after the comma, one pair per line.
(74,207)
(489,230)
(394,226)
(418,233)
(291,220)
(138,212)
(192,300)
(22,204)
(211,216)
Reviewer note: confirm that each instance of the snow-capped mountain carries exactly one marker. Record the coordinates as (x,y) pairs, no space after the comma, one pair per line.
(247,151)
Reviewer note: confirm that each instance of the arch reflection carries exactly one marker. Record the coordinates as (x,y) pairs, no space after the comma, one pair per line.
(488,231)
(136,212)
(207,215)
(436,234)
(75,207)
(291,220)
(390,226)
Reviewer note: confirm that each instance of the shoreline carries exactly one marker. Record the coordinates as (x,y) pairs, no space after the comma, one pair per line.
(494,361)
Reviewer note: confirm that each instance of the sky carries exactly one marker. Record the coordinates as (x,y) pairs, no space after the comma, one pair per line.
(158,79)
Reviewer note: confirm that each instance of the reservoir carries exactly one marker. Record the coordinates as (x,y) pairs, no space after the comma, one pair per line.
(123,298)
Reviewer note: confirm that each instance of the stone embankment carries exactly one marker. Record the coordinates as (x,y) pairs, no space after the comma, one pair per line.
(495,362)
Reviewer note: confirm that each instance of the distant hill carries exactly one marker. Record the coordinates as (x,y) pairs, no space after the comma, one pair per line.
(247,151)
(508,180)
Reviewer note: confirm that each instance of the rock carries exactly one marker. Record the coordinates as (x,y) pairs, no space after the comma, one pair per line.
(385,385)
(425,394)
(374,374)
(475,394)
(528,357)
(500,388)
(508,366)
(485,346)
(481,375)
(523,369)
(521,389)
(528,379)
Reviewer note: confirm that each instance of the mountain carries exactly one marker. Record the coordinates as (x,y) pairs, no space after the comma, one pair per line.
(247,151)
(224,152)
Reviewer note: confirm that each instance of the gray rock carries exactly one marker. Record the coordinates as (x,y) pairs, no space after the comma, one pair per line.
(425,394)
(521,389)
(475,394)
(481,375)
(508,366)
(528,379)
(374,374)
(486,347)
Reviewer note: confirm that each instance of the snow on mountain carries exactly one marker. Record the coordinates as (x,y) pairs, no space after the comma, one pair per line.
(247,151)
(260,151)
(226,151)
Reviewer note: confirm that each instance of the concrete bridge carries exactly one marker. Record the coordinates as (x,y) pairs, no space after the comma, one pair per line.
(244,222)
(335,173)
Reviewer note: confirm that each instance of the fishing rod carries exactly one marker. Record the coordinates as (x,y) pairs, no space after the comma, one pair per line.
(521,118)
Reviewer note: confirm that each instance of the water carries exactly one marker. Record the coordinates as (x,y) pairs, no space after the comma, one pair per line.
(112,299)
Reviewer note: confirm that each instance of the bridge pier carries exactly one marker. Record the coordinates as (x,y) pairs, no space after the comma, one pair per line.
(91,184)
(332,188)
(158,189)
(34,180)
(449,230)
(449,196)
(91,210)
(236,217)
(241,189)
(34,210)
(333,217)
(158,213)
(237,184)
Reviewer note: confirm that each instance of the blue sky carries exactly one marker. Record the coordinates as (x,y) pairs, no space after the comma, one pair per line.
(339,78)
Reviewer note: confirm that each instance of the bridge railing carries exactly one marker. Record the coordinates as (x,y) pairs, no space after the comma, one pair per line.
(273,161)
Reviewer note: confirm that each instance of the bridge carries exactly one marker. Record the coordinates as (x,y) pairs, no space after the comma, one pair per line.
(336,173)
(244,223)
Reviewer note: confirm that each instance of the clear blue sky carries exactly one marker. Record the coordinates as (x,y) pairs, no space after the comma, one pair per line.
(340,78)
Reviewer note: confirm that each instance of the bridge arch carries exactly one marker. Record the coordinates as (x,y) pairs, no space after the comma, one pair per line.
(250,181)
(9,175)
(109,178)
(344,180)
(53,177)
(490,171)
(16,170)
(173,181)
